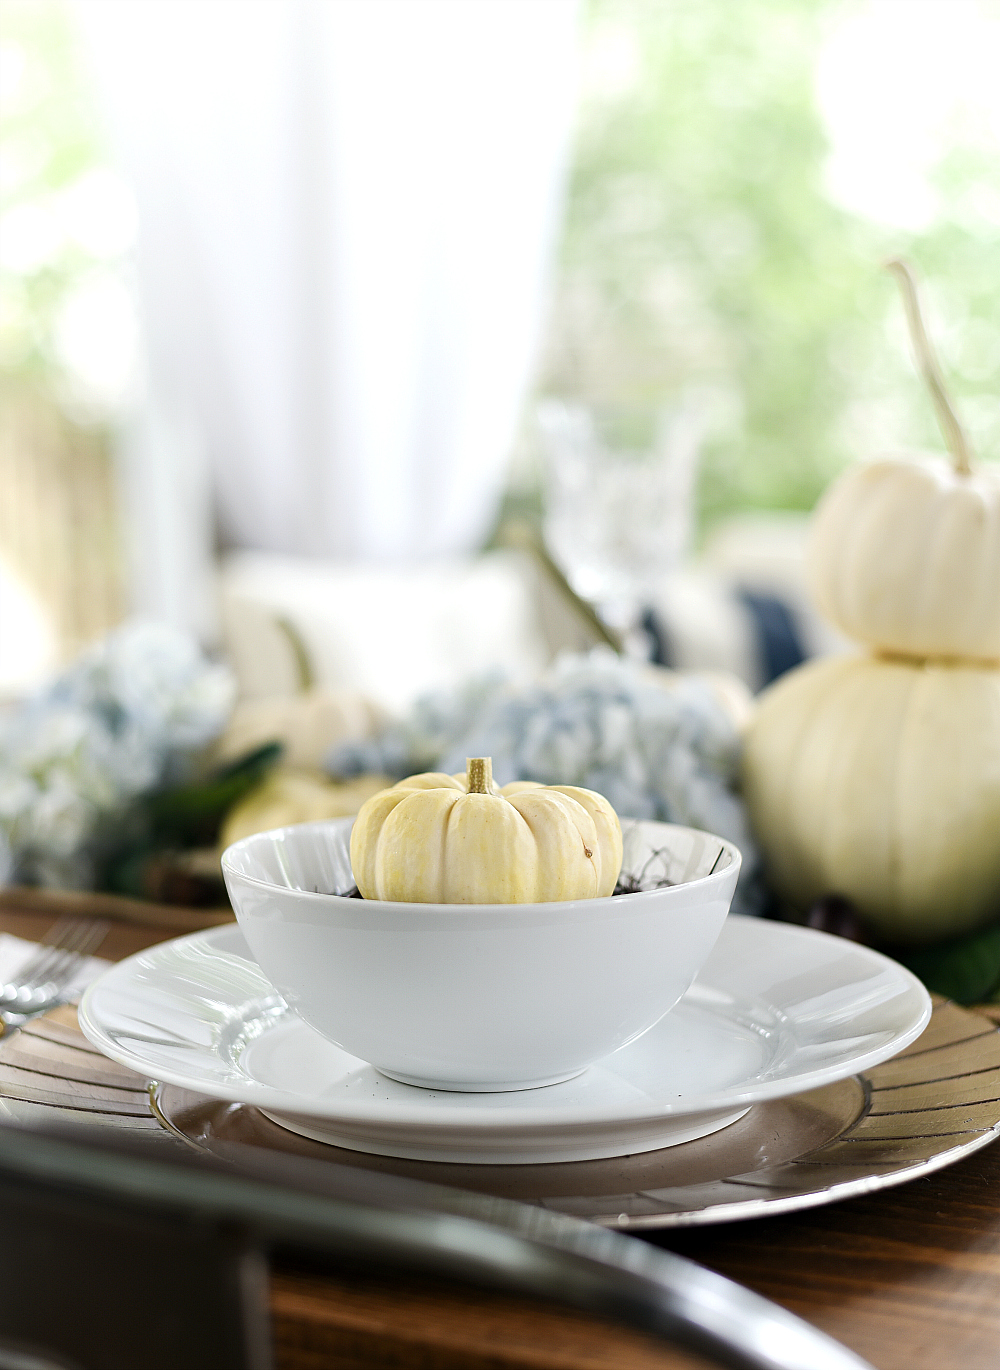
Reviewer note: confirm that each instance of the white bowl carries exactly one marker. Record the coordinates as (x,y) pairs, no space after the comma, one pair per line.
(479,997)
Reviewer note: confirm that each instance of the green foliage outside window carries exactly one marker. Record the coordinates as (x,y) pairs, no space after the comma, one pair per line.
(703,252)
(50,138)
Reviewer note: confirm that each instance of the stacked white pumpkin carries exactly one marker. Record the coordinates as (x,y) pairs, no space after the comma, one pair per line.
(877,776)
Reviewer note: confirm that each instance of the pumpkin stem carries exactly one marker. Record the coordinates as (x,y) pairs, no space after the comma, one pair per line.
(300,654)
(927,363)
(479,774)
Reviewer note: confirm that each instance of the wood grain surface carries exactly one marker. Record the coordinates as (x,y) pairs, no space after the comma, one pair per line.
(907,1277)
(43,906)
(353,1322)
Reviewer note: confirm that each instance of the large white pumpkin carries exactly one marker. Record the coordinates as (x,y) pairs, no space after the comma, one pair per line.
(880,780)
(904,555)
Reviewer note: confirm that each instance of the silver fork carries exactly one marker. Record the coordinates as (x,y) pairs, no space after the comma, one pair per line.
(43,978)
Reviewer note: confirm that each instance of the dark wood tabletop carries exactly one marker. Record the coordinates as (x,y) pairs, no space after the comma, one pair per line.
(908,1277)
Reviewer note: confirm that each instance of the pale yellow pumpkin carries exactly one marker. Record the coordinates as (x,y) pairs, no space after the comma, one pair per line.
(878,777)
(436,838)
(905,552)
(904,555)
(880,780)
(289,796)
(307,724)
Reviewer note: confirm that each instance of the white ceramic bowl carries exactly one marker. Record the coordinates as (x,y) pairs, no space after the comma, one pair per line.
(479,996)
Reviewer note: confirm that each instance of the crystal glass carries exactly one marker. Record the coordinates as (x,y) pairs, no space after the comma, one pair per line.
(618,498)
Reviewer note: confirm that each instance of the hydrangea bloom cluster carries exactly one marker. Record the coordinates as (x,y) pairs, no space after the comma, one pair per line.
(123,720)
(655,744)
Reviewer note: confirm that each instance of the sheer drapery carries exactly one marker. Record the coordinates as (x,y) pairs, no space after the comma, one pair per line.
(347,214)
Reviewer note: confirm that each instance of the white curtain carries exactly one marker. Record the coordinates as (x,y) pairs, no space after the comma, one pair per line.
(347,214)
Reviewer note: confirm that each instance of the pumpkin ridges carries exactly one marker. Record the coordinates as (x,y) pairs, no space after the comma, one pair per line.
(431,780)
(898,856)
(950,579)
(988,613)
(407,835)
(884,567)
(880,599)
(561,844)
(861,596)
(506,872)
(364,855)
(802,782)
(920,601)
(922,755)
(768,780)
(608,830)
(959,851)
(857,827)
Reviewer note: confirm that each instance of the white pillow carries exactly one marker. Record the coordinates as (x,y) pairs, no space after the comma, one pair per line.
(390,633)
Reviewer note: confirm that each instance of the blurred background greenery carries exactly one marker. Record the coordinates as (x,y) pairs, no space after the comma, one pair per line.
(67,346)
(740,171)
(68,222)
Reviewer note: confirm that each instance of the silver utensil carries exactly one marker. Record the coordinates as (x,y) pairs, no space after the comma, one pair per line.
(368,1221)
(39,984)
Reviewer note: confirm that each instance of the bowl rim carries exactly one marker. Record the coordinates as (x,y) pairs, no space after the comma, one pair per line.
(730,871)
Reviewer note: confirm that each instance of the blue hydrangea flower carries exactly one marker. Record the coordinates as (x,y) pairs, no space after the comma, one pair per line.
(655,744)
(122,720)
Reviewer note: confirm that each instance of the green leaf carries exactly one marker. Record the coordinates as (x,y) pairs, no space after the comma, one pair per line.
(966,969)
(192,814)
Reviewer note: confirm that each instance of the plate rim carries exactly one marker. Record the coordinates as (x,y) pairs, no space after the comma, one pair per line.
(482,1120)
(845,1180)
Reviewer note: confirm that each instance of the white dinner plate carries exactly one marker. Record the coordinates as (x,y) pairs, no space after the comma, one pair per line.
(776,1010)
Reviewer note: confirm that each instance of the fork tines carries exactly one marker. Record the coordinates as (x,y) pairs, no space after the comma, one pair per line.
(52,966)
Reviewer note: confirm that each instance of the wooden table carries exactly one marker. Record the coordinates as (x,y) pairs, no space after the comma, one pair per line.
(909,1278)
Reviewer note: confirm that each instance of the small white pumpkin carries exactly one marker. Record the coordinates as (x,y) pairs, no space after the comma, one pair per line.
(905,552)
(435,838)
(880,780)
(904,555)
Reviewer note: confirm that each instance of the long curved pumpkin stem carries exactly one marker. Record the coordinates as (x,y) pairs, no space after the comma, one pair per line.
(955,437)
